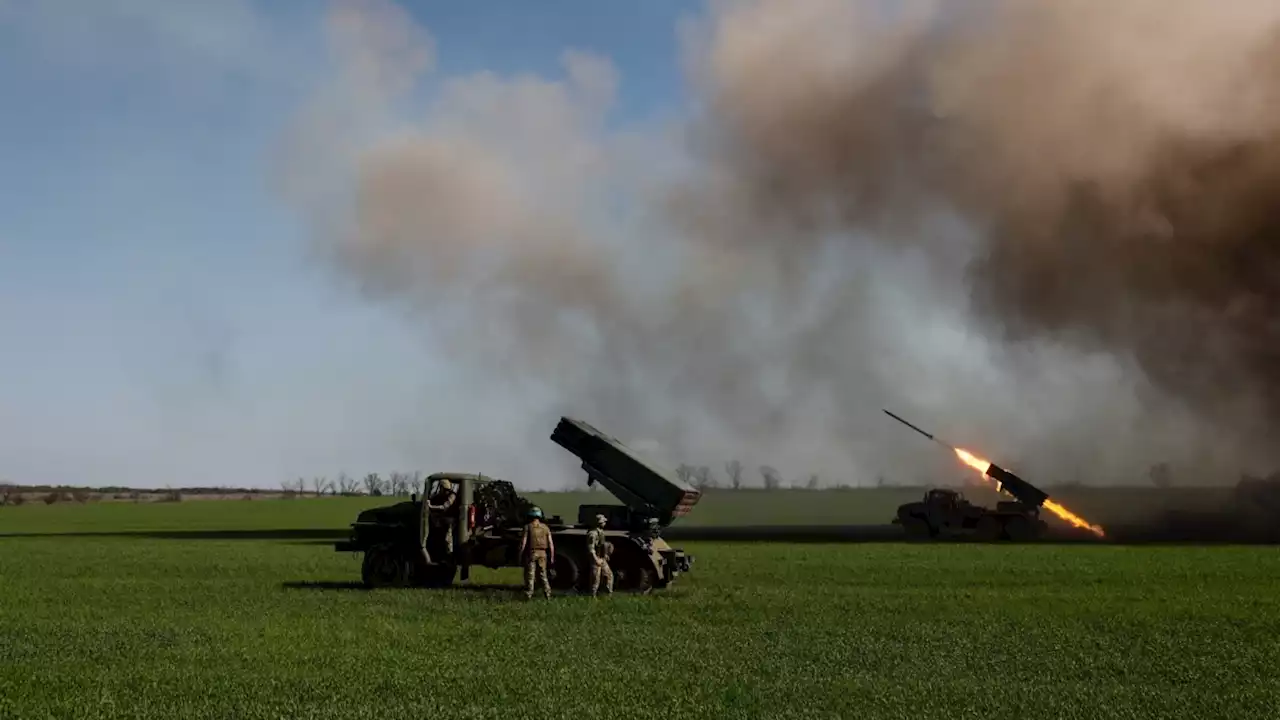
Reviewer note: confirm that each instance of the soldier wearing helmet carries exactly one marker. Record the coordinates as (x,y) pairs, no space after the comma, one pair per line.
(442,504)
(598,550)
(538,551)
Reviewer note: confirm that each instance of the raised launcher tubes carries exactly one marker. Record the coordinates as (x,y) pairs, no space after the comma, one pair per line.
(1024,491)
(645,489)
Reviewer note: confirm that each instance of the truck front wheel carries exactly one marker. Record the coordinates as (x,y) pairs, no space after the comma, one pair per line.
(917,529)
(382,568)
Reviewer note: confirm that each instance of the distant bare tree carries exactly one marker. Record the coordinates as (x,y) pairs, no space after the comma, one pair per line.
(400,483)
(702,478)
(373,484)
(321,485)
(772,481)
(813,482)
(347,485)
(684,472)
(733,469)
(1161,476)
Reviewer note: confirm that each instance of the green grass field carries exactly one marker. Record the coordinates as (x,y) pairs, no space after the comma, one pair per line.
(135,627)
(717,508)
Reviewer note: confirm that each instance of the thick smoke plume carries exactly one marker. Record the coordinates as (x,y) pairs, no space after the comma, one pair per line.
(1096,181)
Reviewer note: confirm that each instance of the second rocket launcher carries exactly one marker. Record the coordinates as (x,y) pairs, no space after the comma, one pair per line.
(1021,489)
(1024,491)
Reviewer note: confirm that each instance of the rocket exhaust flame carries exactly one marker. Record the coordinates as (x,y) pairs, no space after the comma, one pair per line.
(984,467)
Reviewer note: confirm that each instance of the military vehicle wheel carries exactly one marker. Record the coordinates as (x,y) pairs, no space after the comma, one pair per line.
(439,575)
(643,578)
(382,568)
(633,575)
(989,529)
(1019,529)
(917,529)
(565,573)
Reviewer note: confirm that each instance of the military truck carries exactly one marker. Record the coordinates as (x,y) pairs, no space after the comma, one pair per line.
(406,545)
(946,513)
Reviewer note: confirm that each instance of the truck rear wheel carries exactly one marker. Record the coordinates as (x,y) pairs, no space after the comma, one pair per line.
(1019,529)
(565,573)
(643,579)
(989,528)
(631,577)
(632,573)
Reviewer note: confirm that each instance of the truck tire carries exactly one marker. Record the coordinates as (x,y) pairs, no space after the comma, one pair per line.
(644,579)
(566,574)
(917,529)
(382,568)
(437,576)
(989,529)
(1019,529)
(632,577)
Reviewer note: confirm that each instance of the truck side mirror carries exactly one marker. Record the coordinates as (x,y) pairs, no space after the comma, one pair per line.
(413,497)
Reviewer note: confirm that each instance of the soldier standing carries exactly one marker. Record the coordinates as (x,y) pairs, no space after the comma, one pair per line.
(538,551)
(441,504)
(599,548)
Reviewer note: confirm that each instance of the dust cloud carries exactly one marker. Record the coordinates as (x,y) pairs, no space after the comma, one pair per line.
(1041,230)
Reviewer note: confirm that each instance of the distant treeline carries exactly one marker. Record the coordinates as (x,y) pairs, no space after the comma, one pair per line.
(734,477)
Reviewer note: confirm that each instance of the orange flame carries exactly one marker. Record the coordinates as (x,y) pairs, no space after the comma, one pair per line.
(981,466)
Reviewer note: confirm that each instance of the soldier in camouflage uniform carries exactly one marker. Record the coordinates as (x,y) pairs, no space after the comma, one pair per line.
(442,505)
(598,551)
(538,551)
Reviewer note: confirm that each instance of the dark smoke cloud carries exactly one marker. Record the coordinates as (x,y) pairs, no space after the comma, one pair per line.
(1120,163)
(758,281)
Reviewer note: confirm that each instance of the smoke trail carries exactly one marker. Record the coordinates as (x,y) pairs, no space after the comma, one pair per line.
(769,274)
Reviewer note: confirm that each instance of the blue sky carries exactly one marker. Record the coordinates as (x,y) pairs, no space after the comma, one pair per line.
(162,319)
